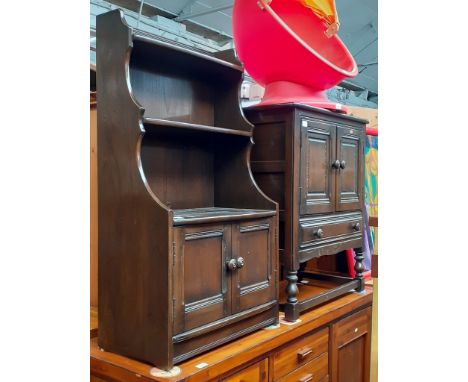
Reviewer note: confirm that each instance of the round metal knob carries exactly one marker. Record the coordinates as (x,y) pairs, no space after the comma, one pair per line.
(357,226)
(240,262)
(336,164)
(343,164)
(232,264)
(319,233)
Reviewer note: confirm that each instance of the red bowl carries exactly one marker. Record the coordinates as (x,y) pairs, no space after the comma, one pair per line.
(284,48)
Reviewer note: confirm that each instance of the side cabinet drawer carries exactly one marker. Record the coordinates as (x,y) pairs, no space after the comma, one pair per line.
(327,231)
(299,352)
(352,327)
(314,371)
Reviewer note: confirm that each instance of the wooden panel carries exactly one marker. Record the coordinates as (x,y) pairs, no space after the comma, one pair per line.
(317,175)
(349,183)
(316,371)
(93,209)
(299,352)
(255,373)
(179,169)
(255,282)
(171,97)
(199,300)
(350,348)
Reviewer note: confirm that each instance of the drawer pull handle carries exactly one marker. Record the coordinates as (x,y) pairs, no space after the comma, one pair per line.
(336,164)
(319,233)
(240,262)
(304,353)
(357,226)
(306,378)
(232,264)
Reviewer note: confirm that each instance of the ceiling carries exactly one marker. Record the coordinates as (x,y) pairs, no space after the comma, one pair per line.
(212,20)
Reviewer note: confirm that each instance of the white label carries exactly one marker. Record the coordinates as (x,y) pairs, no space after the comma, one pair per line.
(338,106)
(304,123)
(201,365)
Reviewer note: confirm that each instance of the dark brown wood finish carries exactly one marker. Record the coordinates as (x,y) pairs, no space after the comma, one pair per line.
(187,248)
(321,346)
(311,162)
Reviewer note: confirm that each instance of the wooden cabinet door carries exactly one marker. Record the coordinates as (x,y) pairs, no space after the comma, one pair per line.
(253,245)
(349,181)
(202,286)
(258,372)
(317,176)
(350,348)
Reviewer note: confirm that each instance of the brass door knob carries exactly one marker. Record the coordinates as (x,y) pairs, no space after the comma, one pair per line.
(232,264)
(319,233)
(336,164)
(240,262)
(357,226)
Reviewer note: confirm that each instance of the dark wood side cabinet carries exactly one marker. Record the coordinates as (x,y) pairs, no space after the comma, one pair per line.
(311,161)
(329,344)
(188,258)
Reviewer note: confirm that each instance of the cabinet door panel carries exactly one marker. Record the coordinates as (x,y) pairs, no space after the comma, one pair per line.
(255,282)
(317,179)
(349,183)
(202,287)
(350,348)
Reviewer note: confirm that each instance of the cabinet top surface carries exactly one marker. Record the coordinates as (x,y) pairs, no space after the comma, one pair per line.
(307,108)
(244,350)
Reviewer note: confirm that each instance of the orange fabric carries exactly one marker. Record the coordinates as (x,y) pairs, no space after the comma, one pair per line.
(325,10)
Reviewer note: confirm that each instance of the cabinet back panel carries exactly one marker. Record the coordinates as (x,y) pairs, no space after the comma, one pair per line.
(179,171)
(172,96)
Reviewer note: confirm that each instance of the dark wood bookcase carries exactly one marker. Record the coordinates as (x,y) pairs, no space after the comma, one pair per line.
(188,258)
(311,161)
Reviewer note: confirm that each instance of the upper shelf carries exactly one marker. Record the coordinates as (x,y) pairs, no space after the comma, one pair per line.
(217,214)
(156,123)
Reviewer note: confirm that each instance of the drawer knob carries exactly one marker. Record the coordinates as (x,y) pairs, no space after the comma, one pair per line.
(357,226)
(303,353)
(306,378)
(232,264)
(343,164)
(319,233)
(336,164)
(240,262)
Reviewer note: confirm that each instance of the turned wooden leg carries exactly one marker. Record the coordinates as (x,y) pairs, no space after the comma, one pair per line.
(359,268)
(291,288)
(291,308)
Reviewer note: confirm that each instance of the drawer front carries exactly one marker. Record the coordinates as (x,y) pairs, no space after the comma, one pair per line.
(299,352)
(256,373)
(314,371)
(323,231)
(352,327)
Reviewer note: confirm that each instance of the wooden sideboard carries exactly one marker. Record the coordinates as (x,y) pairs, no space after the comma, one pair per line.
(330,343)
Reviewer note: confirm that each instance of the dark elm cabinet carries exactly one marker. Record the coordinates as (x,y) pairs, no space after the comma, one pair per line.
(188,256)
(311,161)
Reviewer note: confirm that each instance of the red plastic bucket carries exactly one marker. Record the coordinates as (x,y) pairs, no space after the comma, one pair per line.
(284,48)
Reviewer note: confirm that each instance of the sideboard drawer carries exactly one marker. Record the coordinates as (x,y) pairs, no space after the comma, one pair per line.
(299,352)
(352,327)
(314,371)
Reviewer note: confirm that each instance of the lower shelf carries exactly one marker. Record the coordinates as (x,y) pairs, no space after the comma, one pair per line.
(216,214)
(314,289)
